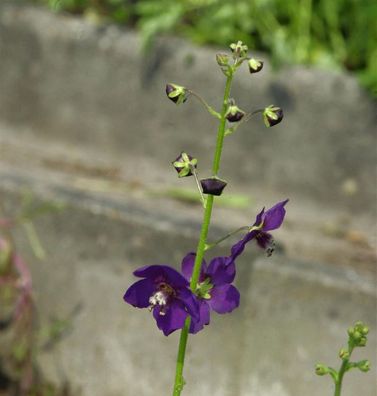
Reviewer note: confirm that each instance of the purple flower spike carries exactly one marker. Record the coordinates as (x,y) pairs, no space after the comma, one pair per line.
(214,290)
(265,221)
(165,291)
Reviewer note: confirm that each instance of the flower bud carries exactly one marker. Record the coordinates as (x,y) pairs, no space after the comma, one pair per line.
(222,59)
(321,369)
(362,341)
(363,365)
(350,331)
(255,65)
(272,115)
(234,114)
(184,164)
(176,93)
(344,354)
(213,186)
(239,50)
(365,330)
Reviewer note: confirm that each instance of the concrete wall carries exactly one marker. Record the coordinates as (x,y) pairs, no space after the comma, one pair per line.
(70,81)
(84,121)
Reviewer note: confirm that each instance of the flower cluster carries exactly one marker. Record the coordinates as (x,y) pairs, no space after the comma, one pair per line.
(357,337)
(166,292)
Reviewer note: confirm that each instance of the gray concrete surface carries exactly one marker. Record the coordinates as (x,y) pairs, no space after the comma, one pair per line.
(71,81)
(84,122)
(292,315)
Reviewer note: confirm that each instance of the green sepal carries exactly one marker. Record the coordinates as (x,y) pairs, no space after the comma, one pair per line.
(363,365)
(344,354)
(184,172)
(239,50)
(203,289)
(179,164)
(269,112)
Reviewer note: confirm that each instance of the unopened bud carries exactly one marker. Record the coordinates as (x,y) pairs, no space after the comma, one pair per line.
(213,186)
(350,331)
(255,65)
(363,365)
(222,59)
(344,354)
(272,115)
(362,341)
(176,93)
(365,330)
(184,164)
(321,369)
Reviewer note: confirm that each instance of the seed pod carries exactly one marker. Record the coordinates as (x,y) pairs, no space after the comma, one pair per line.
(255,65)
(176,93)
(272,115)
(234,114)
(213,186)
(184,164)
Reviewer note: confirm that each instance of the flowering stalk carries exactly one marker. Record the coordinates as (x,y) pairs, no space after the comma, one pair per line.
(185,300)
(357,337)
(179,381)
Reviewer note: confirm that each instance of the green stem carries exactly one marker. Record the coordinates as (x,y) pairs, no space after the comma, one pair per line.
(205,104)
(179,381)
(339,380)
(342,371)
(195,173)
(246,118)
(213,244)
(221,130)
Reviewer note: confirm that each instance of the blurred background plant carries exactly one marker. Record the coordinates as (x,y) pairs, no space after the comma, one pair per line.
(336,34)
(21,337)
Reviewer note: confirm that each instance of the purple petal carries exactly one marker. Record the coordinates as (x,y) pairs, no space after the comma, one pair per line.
(188,266)
(224,299)
(259,218)
(138,294)
(197,325)
(189,301)
(173,319)
(273,218)
(162,273)
(238,248)
(221,271)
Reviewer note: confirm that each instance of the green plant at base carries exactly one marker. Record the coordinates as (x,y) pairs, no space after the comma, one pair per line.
(357,337)
(337,34)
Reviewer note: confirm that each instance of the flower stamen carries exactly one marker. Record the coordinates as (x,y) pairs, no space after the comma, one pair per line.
(161,297)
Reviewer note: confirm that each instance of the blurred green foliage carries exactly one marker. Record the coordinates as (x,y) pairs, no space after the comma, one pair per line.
(338,34)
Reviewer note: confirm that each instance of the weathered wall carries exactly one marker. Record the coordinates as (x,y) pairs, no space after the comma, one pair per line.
(64,79)
(292,315)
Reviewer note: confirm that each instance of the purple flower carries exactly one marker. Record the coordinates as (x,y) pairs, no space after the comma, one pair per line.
(265,221)
(214,290)
(165,291)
